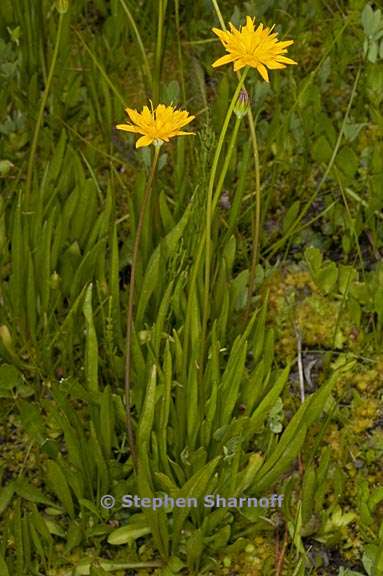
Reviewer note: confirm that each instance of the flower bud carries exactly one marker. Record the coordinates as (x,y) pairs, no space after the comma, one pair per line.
(55,281)
(242,105)
(5,167)
(5,337)
(62,6)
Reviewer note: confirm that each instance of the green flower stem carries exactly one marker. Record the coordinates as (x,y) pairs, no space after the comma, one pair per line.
(43,103)
(228,157)
(129,321)
(216,197)
(210,199)
(212,204)
(219,14)
(256,218)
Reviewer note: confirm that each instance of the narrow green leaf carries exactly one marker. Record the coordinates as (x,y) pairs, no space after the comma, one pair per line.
(107,420)
(308,490)
(58,157)
(3,566)
(192,407)
(26,542)
(165,409)
(161,317)
(85,269)
(114,280)
(36,541)
(17,279)
(145,425)
(195,487)
(246,477)
(96,452)
(167,247)
(57,481)
(287,458)
(211,403)
(31,298)
(31,493)
(231,379)
(290,216)
(44,264)
(262,410)
(39,524)
(74,536)
(128,534)
(91,354)
(19,545)
(259,333)
(6,494)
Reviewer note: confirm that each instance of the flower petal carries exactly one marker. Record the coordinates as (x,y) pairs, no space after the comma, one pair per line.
(286,60)
(223,60)
(146,115)
(285,43)
(144,141)
(263,72)
(127,128)
(156,125)
(274,65)
(253,46)
(134,115)
(182,133)
(249,26)
(238,64)
(222,34)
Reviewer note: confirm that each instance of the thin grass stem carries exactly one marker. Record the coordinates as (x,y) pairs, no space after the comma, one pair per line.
(179,49)
(101,69)
(256,215)
(129,321)
(139,42)
(209,209)
(43,104)
(162,4)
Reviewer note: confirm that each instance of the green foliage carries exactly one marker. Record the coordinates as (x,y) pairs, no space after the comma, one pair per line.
(221,416)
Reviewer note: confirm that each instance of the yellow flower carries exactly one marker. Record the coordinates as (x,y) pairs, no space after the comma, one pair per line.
(256,48)
(157,126)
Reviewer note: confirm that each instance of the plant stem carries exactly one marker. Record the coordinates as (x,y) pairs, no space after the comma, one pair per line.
(256,217)
(129,321)
(179,49)
(43,103)
(209,209)
(219,14)
(216,198)
(228,157)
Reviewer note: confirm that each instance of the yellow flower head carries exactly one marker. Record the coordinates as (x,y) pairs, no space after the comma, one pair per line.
(256,48)
(157,126)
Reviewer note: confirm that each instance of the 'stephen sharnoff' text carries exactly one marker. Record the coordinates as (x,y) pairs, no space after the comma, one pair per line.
(208,501)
